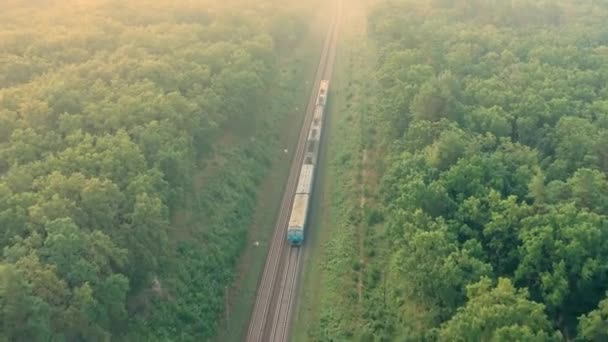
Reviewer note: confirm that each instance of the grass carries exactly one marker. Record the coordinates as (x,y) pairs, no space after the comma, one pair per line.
(329,306)
(290,102)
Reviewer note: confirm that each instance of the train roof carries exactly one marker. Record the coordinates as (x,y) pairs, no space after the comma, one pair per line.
(318,115)
(324,84)
(299,211)
(313,134)
(305,180)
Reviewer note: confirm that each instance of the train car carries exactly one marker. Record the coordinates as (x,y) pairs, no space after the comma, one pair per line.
(299,209)
(306,179)
(297,220)
(323,88)
(317,122)
(312,146)
(303,194)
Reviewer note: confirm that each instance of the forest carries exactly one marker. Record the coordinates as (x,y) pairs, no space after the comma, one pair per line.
(494,197)
(134,135)
(127,176)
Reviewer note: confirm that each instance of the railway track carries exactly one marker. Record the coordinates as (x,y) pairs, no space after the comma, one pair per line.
(271,316)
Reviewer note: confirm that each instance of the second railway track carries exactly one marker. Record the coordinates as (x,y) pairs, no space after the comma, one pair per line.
(271,316)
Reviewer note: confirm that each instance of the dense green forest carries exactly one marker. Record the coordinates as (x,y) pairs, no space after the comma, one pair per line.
(494,115)
(127,172)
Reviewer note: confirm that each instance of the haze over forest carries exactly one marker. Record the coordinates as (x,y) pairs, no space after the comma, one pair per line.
(108,110)
(464,194)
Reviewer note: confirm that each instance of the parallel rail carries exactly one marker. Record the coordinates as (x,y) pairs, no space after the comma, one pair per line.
(271,316)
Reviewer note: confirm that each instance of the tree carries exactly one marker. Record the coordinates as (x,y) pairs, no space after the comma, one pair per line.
(590,190)
(436,99)
(437,269)
(561,259)
(146,235)
(594,325)
(24,316)
(494,120)
(501,313)
(573,144)
(447,149)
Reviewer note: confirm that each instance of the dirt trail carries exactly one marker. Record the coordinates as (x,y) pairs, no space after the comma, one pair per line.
(361,228)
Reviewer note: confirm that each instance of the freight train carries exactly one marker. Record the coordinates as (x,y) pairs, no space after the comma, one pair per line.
(303,194)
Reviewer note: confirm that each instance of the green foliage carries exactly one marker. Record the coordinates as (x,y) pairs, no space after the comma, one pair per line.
(594,326)
(116,119)
(503,313)
(436,269)
(497,122)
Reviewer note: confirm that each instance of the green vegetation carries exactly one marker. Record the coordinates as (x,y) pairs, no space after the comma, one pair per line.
(330,306)
(493,219)
(127,173)
(290,98)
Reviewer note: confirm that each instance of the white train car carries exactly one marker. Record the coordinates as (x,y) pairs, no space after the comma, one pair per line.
(299,209)
(323,88)
(306,179)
